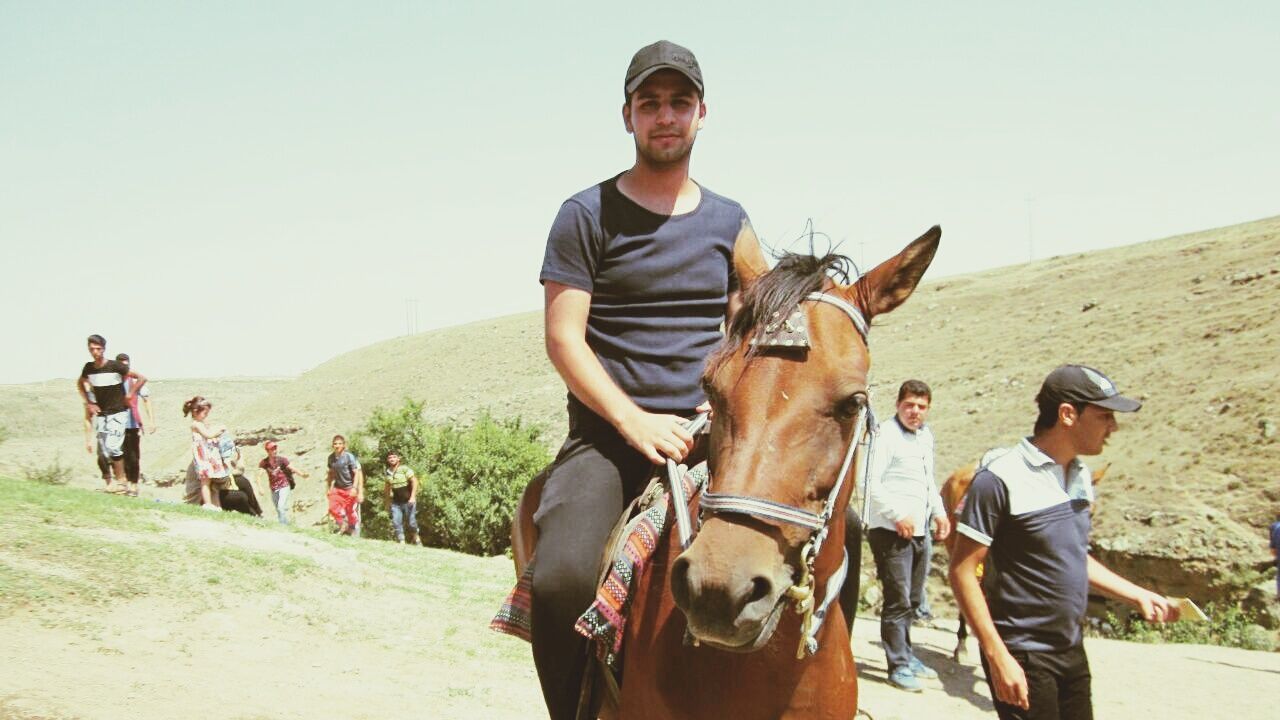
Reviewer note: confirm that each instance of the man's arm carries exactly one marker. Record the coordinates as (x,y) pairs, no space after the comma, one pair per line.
(138,381)
(654,435)
(1007,676)
(1154,608)
(359,478)
(90,437)
(150,416)
(89,405)
(413,486)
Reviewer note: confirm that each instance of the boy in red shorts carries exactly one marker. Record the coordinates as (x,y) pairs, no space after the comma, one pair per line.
(344,487)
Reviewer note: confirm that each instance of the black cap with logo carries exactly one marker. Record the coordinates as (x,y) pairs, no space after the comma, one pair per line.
(662,55)
(1080,384)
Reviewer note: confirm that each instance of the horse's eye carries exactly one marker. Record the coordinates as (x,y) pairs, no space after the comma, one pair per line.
(849,406)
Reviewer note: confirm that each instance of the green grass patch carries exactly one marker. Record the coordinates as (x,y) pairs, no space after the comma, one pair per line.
(1228,625)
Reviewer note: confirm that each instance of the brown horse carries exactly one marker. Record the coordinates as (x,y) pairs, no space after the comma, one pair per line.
(724,641)
(953,491)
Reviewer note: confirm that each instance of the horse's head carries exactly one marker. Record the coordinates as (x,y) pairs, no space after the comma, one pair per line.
(785,417)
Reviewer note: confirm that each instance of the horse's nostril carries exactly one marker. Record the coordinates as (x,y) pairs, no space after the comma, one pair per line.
(680,582)
(761,588)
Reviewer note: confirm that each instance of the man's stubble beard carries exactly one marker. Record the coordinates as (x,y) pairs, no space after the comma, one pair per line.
(661,160)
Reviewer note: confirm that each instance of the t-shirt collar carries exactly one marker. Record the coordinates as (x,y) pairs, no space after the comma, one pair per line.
(1035,457)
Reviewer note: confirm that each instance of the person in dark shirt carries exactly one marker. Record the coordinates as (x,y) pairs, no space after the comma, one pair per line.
(1275,551)
(401,491)
(139,409)
(279,479)
(1027,517)
(637,281)
(344,487)
(110,407)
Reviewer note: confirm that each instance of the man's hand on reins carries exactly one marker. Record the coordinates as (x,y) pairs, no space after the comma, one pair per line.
(657,436)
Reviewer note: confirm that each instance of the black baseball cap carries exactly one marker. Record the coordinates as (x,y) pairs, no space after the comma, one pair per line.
(1081,384)
(662,55)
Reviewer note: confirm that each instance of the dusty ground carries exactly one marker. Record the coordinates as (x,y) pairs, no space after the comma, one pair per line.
(285,656)
(365,630)
(1130,680)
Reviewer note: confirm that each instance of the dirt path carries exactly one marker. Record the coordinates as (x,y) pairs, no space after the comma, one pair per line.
(1130,680)
(266,661)
(405,634)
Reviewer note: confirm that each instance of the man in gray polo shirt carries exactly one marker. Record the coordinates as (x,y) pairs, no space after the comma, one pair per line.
(1027,517)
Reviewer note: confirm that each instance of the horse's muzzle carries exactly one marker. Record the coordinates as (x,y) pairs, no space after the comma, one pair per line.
(733,602)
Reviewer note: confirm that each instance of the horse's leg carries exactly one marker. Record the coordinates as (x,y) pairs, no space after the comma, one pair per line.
(962,651)
(524,533)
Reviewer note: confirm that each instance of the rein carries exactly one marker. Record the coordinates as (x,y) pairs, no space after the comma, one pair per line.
(801,594)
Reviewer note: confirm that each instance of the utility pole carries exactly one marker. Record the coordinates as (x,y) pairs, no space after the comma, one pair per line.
(410,316)
(1031,244)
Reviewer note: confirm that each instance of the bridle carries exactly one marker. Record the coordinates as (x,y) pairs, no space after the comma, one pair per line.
(790,333)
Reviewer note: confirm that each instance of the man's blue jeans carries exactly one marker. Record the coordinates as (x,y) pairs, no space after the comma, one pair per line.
(921,598)
(901,568)
(280,498)
(401,511)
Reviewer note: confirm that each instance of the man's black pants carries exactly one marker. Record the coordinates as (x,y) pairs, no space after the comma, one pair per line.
(591,481)
(132,454)
(900,566)
(1059,686)
(242,500)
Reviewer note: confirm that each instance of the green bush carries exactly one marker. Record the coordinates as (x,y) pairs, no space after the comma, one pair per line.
(1227,625)
(55,473)
(469,476)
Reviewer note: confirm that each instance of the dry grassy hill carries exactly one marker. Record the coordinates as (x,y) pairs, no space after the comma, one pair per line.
(1187,323)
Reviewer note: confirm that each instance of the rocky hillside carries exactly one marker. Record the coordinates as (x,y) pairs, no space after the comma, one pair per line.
(1189,324)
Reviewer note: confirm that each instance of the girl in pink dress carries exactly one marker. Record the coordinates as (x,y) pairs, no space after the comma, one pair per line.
(204,449)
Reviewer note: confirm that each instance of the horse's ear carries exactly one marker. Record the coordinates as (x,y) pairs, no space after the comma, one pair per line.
(891,282)
(748,260)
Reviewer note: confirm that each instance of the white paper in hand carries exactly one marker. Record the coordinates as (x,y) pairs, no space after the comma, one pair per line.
(1187,610)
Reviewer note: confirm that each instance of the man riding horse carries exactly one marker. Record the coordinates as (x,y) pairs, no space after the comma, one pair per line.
(638,281)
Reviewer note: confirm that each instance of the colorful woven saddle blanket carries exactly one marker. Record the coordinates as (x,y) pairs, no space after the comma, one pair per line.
(605,621)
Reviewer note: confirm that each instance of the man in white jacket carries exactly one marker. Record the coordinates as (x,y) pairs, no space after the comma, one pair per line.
(904,501)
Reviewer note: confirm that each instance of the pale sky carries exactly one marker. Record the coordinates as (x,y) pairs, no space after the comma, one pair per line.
(248,188)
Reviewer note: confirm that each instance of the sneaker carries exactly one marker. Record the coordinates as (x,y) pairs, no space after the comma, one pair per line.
(903,679)
(921,670)
(926,621)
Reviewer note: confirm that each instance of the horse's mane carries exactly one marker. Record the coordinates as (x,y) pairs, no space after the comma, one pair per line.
(779,291)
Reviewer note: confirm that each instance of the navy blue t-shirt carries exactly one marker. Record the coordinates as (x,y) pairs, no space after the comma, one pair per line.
(1035,519)
(1275,541)
(659,287)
